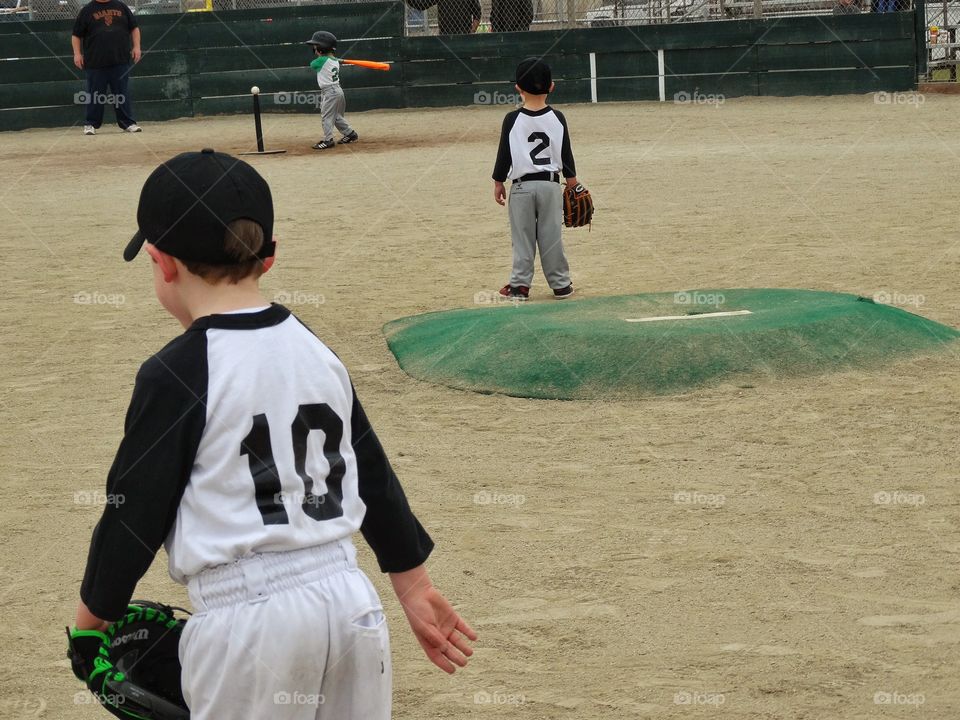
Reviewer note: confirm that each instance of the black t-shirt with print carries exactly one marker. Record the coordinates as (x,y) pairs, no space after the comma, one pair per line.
(105,28)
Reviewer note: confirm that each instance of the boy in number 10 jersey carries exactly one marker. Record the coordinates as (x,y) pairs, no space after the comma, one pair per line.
(247,453)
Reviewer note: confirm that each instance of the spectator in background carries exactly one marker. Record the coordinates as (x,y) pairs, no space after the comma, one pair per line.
(846,7)
(454,17)
(511,15)
(106,43)
(416,19)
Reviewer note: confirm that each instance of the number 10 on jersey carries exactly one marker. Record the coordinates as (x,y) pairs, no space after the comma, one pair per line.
(258,448)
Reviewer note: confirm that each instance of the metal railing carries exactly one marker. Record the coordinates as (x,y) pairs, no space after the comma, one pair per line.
(943,39)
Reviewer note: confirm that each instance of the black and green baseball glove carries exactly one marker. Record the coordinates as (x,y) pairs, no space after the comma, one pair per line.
(133,668)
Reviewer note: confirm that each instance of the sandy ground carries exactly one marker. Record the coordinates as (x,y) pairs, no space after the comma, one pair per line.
(720,553)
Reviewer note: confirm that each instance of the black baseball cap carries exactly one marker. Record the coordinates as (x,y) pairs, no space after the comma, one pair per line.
(534,76)
(187,203)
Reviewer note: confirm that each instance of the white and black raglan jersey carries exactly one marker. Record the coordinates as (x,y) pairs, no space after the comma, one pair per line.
(244,435)
(534,142)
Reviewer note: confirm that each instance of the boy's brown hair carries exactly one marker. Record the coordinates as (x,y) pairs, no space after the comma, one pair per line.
(242,240)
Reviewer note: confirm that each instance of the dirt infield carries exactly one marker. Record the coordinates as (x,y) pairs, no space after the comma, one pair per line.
(780,550)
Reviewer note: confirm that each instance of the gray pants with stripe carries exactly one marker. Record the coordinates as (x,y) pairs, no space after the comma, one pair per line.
(332,106)
(536,219)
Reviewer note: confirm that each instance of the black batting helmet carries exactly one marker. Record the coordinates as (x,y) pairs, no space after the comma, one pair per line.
(323,40)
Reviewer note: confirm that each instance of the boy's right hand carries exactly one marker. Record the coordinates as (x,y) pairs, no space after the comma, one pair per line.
(499,193)
(441,632)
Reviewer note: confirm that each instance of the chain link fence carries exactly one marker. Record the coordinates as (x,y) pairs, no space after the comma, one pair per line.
(431,17)
(425,17)
(68,9)
(943,39)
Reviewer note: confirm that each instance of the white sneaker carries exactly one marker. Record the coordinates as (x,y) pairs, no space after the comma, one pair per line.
(133,128)
(89,130)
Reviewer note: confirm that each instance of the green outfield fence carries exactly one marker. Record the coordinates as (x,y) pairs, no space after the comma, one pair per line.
(204,63)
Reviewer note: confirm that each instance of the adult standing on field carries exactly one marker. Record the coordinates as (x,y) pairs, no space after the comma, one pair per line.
(106,44)
(511,15)
(454,17)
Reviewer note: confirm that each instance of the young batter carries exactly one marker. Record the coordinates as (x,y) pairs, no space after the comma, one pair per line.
(332,102)
(246,452)
(534,152)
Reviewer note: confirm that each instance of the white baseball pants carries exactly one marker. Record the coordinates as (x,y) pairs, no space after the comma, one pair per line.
(297,635)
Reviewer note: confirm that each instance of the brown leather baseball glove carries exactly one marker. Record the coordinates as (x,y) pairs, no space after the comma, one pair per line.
(577,206)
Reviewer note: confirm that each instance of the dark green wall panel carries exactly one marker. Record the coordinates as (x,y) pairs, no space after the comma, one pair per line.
(374,98)
(235,106)
(72,115)
(157,110)
(481,70)
(322,13)
(293,30)
(27,46)
(837,28)
(710,60)
(36,26)
(382,49)
(260,57)
(357,101)
(698,89)
(870,53)
(627,89)
(60,92)
(251,57)
(453,70)
(63,92)
(650,38)
(453,95)
(38,70)
(62,116)
(837,82)
(480,45)
(163,63)
(571,91)
(567,91)
(624,64)
(271,80)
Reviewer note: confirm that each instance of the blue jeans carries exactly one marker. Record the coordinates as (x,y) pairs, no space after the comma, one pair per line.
(109,86)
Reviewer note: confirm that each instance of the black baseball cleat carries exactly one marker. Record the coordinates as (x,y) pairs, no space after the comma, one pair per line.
(564,292)
(325,145)
(517,292)
(351,138)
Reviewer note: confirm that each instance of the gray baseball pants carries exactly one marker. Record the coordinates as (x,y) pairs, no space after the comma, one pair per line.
(332,106)
(536,218)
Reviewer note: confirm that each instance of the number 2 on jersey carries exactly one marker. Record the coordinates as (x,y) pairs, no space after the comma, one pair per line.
(266,480)
(541,146)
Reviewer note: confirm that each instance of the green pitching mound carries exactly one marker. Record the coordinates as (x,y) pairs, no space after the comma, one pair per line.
(641,345)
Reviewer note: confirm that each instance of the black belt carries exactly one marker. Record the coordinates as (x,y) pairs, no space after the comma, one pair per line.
(548,176)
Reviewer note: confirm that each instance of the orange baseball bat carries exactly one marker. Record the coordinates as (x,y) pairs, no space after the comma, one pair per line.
(370,64)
